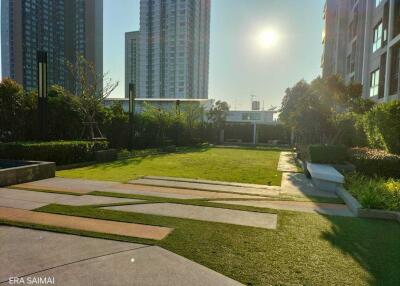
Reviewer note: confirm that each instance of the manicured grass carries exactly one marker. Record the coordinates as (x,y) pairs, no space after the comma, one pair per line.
(306,249)
(256,166)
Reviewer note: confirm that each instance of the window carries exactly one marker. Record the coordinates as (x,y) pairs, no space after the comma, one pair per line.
(378,2)
(377,37)
(374,86)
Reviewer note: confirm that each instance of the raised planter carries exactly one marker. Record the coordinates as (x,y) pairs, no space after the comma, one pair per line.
(359,211)
(16,172)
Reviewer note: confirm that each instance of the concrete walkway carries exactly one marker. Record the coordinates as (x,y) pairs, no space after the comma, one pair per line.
(262,220)
(266,191)
(31,200)
(75,260)
(308,207)
(167,192)
(287,162)
(297,184)
(68,185)
(85,224)
(210,182)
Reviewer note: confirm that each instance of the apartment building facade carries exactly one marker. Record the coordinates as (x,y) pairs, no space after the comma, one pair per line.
(174,49)
(62,28)
(361,42)
(131,61)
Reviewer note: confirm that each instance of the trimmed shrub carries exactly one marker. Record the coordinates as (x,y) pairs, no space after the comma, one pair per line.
(61,152)
(106,155)
(374,193)
(373,162)
(351,130)
(382,126)
(327,154)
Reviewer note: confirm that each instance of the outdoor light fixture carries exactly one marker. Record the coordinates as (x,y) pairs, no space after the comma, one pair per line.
(42,92)
(132,96)
(178,109)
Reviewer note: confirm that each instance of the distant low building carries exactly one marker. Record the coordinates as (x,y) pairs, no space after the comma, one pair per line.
(160,103)
(252,116)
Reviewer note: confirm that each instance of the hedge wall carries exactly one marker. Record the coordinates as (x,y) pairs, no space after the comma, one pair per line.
(327,154)
(61,152)
(373,162)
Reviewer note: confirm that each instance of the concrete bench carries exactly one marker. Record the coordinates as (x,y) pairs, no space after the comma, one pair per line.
(325,177)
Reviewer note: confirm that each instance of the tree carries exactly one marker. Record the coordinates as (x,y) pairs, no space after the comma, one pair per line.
(91,88)
(312,110)
(17,111)
(217,115)
(64,117)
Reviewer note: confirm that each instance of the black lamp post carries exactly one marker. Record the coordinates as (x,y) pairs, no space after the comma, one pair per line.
(178,108)
(42,92)
(132,96)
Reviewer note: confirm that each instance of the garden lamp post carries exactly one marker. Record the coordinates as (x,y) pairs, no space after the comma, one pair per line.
(42,92)
(178,109)
(132,96)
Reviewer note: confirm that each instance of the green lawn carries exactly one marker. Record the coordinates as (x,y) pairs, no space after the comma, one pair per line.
(256,166)
(306,249)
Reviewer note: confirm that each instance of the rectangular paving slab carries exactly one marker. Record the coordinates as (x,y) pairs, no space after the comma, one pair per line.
(211,182)
(24,251)
(297,184)
(87,224)
(31,199)
(267,191)
(20,204)
(262,220)
(81,261)
(309,207)
(287,162)
(68,185)
(172,192)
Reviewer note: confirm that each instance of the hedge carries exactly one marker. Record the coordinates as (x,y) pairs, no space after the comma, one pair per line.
(382,126)
(61,152)
(327,154)
(374,162)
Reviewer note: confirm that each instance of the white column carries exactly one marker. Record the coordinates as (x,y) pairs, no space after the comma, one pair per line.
(389,51)
(367,47)
(255,133)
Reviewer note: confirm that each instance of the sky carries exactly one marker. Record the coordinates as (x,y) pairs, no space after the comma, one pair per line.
(241,64)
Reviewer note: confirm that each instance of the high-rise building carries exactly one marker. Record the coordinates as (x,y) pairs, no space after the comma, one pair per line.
(174,48)
(361,42)
(62,28)
(131,60)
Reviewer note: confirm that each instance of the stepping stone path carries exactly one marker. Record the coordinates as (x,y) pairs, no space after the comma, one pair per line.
(31,200)
(309,207)
(86,224)
(262,220)
(81,261)
(177,193)
(260,191)
(287,162)
(68,185)
(297,184)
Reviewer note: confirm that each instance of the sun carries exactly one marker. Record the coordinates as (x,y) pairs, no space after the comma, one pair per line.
(268,38)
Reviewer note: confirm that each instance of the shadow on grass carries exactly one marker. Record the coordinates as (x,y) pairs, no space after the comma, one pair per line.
(373,243)
(138,159)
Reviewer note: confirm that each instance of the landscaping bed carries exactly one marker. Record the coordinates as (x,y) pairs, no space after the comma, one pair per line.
(375,193)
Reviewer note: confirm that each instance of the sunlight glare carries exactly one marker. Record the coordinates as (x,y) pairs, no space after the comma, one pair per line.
(268,38)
